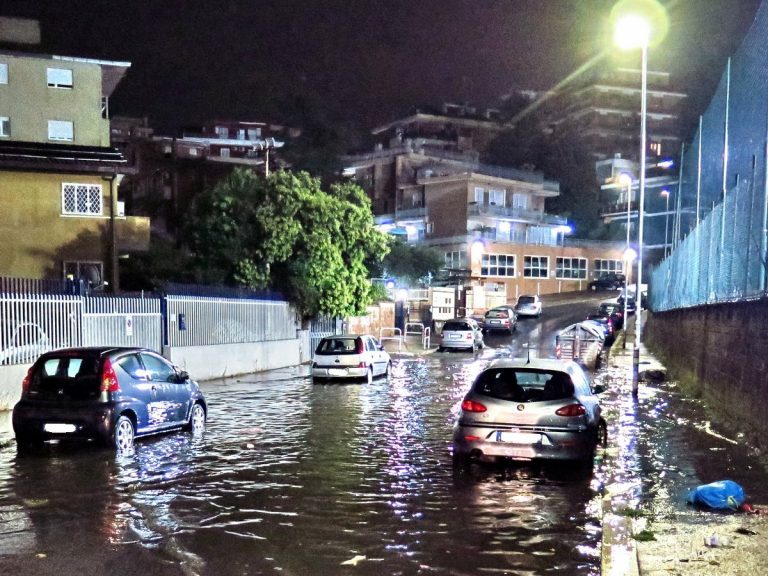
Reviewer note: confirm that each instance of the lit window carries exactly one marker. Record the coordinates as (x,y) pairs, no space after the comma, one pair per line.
(81,199)
(5,126)
(536,267)
(520,201)
(3,73)
(59,77)
(254,133)
(498,265)
(455,260)
(224,153)
(571,268)
(479,192)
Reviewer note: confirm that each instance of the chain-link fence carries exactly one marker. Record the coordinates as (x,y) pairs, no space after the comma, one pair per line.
(720,233)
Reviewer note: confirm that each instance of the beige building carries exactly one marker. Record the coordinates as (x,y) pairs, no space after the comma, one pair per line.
(59,178)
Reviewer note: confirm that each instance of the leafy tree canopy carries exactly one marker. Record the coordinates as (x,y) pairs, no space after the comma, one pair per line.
(410,265)
(288,234)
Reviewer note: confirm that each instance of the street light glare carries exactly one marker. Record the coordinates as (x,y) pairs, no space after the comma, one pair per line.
(630,255)
(625,179)
(631,31)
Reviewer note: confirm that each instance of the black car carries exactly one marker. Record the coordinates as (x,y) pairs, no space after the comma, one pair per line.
(611,310)
(608,281)
(106,394)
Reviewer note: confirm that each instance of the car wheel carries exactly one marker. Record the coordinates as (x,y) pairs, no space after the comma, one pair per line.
(197,420)
(27,444)
(369,376)
(388,370)
(124,434)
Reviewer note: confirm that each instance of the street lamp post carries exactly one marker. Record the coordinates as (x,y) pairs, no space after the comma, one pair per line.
(626,179)
(665,193)
(633,31)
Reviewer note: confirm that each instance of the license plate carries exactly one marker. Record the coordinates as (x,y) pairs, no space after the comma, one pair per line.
(518,437)
(59,428)
(495,321)
(337,371)
(455,336)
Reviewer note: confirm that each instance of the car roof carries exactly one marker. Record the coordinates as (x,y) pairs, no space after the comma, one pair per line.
(98,350)
(534,363)
(337,336)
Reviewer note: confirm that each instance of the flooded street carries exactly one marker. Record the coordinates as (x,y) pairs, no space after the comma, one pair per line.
(294,478)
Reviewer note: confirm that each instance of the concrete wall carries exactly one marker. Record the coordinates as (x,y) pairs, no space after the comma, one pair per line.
(202,362)
(719,353)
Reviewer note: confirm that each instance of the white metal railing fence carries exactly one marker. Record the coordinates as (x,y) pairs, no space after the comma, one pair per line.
(122,321)
(203,321)
(31,324)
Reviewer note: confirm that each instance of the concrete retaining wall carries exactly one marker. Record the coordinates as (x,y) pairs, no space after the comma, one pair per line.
(202,362)
(719,353)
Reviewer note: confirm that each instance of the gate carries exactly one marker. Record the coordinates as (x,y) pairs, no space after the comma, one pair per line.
(111,321)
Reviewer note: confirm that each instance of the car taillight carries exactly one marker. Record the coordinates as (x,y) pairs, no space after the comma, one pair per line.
(469,336)
(558,351)
(360,348)
(472,406)
(26,381)
(362,365)
(109,381)
(571,410)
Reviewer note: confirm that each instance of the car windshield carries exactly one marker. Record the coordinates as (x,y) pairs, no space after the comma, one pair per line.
(526,300)
(608,309)
(456,326)
(524,384)
(337,346)
(497,314)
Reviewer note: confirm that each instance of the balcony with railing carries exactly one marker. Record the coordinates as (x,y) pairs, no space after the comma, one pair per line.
(528,216)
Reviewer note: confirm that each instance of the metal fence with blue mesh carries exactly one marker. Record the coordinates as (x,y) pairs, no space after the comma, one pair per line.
(721,227)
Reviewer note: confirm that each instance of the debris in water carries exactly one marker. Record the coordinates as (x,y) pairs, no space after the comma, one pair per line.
(354,561)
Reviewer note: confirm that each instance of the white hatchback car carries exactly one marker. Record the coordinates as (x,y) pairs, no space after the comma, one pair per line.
(350,357)
(462,333)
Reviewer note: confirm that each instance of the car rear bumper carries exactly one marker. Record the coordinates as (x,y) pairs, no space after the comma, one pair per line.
(339,373)
(486,443)
(39,422)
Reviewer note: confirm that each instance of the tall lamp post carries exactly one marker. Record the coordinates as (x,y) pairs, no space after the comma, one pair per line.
(629,254)
(633,31)
(665,194)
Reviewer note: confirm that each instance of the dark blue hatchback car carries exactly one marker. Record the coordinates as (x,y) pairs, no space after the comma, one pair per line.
(110,395)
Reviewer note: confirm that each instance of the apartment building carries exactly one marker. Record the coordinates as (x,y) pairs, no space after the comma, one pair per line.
(59,176)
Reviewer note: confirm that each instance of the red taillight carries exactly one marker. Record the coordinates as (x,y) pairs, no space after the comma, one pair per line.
(362,365)
(109,381)
(27,379)
(571,410)
(470,336)
(558,351)
(472,406)
(360,347)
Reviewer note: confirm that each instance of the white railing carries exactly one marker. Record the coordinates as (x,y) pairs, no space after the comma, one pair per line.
(391,334)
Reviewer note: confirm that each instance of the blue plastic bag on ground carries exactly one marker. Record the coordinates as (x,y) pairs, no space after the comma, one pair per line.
(722,495)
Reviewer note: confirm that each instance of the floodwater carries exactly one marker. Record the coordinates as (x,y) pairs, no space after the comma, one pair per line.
(296,479)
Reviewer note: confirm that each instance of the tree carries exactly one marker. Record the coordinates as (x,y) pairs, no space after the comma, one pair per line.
(288,234)
(410,264)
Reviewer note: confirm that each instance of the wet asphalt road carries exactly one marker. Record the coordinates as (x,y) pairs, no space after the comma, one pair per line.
(294,478)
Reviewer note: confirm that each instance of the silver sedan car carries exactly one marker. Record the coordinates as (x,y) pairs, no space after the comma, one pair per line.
(350,357)
(526,410)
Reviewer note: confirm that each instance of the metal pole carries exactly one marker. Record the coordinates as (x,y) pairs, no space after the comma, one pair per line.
(629,266)
(676,223)
(666,227)
(640,216)
(698,176)
(725,154)
(764,237)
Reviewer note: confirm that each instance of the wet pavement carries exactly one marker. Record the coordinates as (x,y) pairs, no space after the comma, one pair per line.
(295,478)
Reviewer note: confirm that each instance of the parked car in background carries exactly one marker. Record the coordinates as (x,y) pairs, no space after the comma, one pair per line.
(530,409)
(528,305)
(501,318)
(22,343)
(608,281)
(463,334)
(350,357)
(613,310)
(110,395)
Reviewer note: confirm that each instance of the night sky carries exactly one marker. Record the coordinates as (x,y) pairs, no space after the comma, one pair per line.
(367,61)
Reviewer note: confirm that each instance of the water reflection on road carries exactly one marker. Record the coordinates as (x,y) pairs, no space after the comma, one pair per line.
(302,479)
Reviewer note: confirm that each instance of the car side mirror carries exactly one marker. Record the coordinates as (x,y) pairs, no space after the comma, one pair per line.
(598,389)
(182,376)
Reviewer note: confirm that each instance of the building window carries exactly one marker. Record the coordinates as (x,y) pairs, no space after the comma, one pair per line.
(222,132)
(571,268)
(5,126)
(254,133)
(90,272)
(224,152)
(61,130)
(520,201)
(3,73)
(536,267)
(59,77)
(479,193)
(602,265)
(81,199)
(498,265)
(496,197)
(241,134)
(455,260)
(416,199)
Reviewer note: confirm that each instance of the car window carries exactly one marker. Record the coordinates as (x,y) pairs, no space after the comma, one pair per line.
(61,367)
(526,300)
(497,314)
(524,385)
(370,345)
(337,346)
(158,370)
(133,366)
(455,326)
